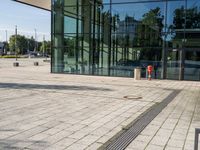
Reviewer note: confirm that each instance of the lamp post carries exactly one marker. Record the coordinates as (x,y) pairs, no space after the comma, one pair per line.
(44,45)
(16,43)
(5,49)
(35,49)
(6,36)
(28,42)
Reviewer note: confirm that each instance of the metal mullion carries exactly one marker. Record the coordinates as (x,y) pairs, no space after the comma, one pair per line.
(109,46)
(182,52)
(90,46)
(52,33)
(82,39)
(139,1)
(164,53)
(102,39)
(116,59)
(113,42)
(93,36)
(77,35)
(99,35)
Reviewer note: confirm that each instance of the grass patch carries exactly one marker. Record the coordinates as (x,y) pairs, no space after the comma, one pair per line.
(10,56)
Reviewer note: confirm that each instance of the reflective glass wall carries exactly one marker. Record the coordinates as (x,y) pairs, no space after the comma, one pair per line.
(112,37)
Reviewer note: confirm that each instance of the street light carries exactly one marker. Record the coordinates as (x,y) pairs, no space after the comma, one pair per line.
(35,49)
(16,43)
(5,50)
(28,42)
(44,45)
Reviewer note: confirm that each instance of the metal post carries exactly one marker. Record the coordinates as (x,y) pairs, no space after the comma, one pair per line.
(16,43)
(5,48)
(28,42)
(44,50)
(35,49)
(6,36)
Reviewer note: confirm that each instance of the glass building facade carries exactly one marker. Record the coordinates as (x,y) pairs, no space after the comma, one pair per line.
(112,37)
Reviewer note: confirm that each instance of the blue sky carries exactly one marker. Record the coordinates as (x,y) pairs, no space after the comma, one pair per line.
(27,19)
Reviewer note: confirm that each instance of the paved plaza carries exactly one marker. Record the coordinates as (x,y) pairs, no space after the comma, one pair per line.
(39,110)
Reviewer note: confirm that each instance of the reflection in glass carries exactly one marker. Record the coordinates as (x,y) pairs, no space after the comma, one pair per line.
(97,37)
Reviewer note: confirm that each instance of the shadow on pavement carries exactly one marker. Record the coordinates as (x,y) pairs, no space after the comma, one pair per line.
(50,87)
(7,144)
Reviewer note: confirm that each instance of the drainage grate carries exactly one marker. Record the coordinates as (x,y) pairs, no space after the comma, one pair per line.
(196,141)
(125,137)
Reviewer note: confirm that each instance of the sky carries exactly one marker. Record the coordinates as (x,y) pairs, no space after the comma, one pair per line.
(26,18)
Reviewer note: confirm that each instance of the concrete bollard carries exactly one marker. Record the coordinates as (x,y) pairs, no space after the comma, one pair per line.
(137,73)
(36,64)
(16,64)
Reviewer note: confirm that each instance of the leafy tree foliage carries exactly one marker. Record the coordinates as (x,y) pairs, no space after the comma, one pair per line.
(21,44)
(24,45)
(150,35)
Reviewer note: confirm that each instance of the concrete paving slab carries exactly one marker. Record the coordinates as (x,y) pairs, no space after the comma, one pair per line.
(39,110)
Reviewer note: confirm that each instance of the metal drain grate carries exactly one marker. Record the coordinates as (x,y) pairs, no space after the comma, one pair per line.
(196,141)
(124,138)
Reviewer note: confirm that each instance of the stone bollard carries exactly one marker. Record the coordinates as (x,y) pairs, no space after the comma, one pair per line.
(36,64)
(137,73)
(16,64)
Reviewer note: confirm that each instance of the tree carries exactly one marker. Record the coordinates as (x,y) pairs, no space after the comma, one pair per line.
(192,22)
(70,46)
(149,35)
(21,44)
(45,47)
(31,44)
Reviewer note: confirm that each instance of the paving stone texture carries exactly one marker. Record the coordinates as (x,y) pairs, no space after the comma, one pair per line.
(39,110)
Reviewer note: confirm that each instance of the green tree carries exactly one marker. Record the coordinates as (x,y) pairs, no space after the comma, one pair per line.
(45,47)
(70,46)
(149,35)
(21,44)
(31,44)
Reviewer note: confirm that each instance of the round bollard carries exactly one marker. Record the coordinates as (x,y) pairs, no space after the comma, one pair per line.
(36,64)
(137,73)
(16,64)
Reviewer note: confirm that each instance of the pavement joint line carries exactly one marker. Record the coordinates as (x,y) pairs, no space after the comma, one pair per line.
(123,138)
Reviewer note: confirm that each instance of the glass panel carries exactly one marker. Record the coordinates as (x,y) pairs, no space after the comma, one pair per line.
(175,18)
(173,64)
(137,36)
(112,37)
(193,12)
(192,64)
(175,37)
(192,42)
